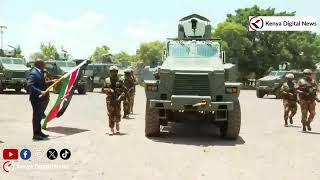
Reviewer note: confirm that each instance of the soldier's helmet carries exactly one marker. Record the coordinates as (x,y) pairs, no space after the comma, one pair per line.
(307,71)
(290,76)
(114,68)
(127,71)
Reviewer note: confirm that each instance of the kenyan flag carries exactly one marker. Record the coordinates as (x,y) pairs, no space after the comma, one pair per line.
(64,98)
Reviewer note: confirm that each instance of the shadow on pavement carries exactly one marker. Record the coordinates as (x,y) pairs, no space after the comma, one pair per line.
(117,134)
(308,132)
(1,142)
(66,130)
(197,134)
(294,126)
(14,93)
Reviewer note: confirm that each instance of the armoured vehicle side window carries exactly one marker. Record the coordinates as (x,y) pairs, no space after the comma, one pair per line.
(6,61)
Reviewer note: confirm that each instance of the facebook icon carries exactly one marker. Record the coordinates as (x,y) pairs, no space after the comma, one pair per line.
(25,154)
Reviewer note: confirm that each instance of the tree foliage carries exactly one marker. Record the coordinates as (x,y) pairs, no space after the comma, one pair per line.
(49,51)
(99,53)
(150,52)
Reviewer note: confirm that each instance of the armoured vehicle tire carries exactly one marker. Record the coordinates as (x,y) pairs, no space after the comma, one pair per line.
(259,94)
(82,90)
(1,88)
(277,94)
(231,129)
(90,86)
(18,90)
(152,126)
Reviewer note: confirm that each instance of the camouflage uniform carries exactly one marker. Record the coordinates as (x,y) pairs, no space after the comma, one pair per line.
(307,89)
(289,95)
(129,84)
(135,82)
(115,90)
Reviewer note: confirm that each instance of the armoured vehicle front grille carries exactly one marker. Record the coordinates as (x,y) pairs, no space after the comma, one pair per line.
(191,85)
(16,74)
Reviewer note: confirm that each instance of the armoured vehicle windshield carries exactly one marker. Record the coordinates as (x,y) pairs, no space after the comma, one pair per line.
(66,64)
(11,61)
(278,73)
(193,49)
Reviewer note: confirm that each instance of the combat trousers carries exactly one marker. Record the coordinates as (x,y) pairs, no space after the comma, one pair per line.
(307,106)
(290,107)
(114,113)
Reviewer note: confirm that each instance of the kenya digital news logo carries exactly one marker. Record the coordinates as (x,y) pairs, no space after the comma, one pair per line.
(255,23)
(8,166)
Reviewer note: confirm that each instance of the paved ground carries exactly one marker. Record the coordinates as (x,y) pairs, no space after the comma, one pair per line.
(264,150)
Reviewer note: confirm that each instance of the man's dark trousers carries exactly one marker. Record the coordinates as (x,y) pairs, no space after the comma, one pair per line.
(38,110)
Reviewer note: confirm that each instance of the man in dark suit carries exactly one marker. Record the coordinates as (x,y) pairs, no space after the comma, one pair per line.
(37,85)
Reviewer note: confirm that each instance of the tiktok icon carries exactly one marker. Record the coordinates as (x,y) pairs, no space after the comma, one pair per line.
(65,154)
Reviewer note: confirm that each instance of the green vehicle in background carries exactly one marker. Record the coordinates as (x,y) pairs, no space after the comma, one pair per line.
(97,73)
(271,84)
(194,82)
(58,68)
(13,74)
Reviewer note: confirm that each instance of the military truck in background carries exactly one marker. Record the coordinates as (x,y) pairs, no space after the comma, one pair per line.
(97,73)
(58,68)
(13,72)
(271,84)
(194,82)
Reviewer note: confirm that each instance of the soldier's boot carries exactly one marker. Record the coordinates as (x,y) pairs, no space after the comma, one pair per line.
(308,126)
(118,127)
(291,120)
(112,131)
(304,127)
(285,122)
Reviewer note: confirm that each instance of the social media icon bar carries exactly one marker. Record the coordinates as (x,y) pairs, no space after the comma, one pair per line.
(65,154)
(25,154)
(52,154)
(10,154)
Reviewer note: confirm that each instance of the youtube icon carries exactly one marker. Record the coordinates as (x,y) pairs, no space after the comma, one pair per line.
(10,154)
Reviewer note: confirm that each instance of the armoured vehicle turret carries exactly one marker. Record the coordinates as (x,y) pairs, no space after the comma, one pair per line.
(13,72)
(194,82)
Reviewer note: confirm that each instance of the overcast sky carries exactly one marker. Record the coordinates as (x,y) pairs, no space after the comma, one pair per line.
(81,25)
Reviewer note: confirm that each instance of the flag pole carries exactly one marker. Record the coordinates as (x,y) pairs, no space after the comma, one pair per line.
(65,75)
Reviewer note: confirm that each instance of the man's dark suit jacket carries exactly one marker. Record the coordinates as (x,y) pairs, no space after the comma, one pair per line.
(36,84)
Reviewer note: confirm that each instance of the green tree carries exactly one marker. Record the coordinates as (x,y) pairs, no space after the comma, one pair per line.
(49,51)
(123,59)
(18,52)
(150,52)
(99,53)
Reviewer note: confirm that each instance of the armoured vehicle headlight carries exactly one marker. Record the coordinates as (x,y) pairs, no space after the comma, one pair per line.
(230,90)
(153,88)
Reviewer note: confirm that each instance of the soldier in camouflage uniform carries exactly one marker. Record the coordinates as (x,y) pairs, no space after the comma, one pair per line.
(134,91)
(129,85)
(307,90)
(289,95)
(115,91)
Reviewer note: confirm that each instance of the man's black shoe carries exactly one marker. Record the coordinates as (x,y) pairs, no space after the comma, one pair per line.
(37,137)
(44,135)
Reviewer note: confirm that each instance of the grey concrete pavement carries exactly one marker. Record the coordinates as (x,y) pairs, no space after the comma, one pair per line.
(265,149)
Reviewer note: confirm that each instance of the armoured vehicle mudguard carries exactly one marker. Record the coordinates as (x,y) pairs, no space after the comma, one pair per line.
(194,82)
(13,74)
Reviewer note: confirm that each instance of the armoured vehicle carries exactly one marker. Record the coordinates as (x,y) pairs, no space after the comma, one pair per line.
(194,82)
(271,84)
(13,73)
(97,73)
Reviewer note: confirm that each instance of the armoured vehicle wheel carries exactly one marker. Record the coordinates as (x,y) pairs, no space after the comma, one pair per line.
(82,90)
(231,129)
(90,86)
(56,90)
(152,126)
(1,88)
(277,94)
(17,90)
(259,94)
